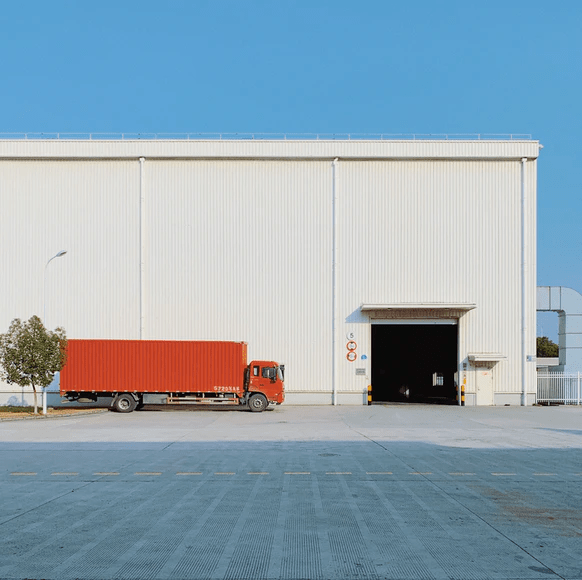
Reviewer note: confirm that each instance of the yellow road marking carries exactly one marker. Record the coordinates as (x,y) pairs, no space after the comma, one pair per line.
(64,473)
(545,474)
(378,473)
(460,473)
(106,473)
(224,473)
(338,473)
(148,473)
(189,473)
(23,473)
(258,473)
(297,472)
(492,473)
(420,473)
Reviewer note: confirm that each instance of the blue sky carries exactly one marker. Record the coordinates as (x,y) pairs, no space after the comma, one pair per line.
(313,66)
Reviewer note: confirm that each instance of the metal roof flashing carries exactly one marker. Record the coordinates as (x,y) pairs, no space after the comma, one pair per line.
(420,306)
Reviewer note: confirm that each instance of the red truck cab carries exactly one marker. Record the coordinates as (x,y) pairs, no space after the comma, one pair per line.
(266,377)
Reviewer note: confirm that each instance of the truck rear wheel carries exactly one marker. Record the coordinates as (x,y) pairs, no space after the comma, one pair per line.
(258,403)
(124,403)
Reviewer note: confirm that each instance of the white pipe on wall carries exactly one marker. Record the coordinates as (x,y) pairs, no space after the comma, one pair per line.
(334,360)
(523,287)
(141,245)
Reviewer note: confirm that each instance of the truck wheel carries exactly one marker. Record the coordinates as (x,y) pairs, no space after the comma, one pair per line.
(124,403)
(258,403)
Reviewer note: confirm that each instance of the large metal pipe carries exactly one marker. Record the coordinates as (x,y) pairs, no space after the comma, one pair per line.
(334,359)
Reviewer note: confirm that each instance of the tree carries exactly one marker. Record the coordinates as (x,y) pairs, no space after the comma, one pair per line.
(31,355)
(546,348)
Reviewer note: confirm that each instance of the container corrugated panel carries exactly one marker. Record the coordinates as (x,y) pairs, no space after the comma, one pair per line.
(150,366)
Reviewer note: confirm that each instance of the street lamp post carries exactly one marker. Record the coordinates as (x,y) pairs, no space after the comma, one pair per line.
(61,253)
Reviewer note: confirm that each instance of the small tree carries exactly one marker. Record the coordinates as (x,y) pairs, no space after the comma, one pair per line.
(31,355)
(546,347)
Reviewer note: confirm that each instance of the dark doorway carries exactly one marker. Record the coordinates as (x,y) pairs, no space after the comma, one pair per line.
(414,363)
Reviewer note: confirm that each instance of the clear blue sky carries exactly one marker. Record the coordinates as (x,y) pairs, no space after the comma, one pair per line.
(314,66)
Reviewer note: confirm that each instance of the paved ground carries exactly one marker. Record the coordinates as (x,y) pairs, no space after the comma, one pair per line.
(319,492)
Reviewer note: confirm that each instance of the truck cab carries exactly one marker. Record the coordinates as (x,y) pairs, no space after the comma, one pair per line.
(265,378)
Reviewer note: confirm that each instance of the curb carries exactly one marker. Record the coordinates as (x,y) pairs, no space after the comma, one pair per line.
(41,416)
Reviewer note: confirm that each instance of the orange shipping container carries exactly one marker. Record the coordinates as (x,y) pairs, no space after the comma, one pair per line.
(154,366)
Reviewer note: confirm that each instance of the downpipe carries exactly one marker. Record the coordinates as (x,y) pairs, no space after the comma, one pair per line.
(523,288)
(334,360)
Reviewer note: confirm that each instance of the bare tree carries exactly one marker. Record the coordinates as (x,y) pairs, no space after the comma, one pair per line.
(30,355)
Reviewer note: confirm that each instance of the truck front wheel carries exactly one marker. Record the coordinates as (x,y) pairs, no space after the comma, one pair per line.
(258,403)
(124,403)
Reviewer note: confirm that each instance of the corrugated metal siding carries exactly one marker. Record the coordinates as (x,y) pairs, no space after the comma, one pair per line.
(430,231)
(89,209)
(152,366)
(241,249)
(272,149)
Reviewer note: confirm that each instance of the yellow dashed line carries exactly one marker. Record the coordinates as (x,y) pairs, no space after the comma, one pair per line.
(106,473)
(298,473)
(189,473)
(224,473)
(379,473)
(148,473)
(459,473)
(338,473)
(64,473)
(497,474)
(23,473)
(539,474)
(420,473)
(258,473)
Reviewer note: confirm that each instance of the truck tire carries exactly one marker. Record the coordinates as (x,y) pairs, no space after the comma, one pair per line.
(258,403)
(124,403)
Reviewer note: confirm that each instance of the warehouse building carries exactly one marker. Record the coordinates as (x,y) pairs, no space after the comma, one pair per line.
(408,265)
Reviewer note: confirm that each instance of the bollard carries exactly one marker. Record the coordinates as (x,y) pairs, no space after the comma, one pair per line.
(369,394)
(463,394)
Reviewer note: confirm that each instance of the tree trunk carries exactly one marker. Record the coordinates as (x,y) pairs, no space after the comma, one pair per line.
(35,403)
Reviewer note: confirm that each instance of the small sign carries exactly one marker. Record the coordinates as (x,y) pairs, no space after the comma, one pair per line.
(351,345)
(351,356)
(360,371)
(350,336)
(364,357)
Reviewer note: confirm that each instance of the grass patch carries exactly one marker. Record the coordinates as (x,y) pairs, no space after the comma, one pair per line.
(17,409)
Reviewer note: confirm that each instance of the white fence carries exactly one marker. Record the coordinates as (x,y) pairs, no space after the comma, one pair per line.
(559,388)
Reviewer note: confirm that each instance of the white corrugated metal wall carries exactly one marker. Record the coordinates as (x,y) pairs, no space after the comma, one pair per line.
(240,248)
(438,232)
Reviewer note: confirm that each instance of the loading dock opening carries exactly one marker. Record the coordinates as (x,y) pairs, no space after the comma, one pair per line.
(414,363)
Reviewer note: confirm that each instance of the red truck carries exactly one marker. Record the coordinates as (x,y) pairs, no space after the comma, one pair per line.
(140,372)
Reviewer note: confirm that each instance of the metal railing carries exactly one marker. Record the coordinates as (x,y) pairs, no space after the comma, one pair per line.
(264,137)
(559,388)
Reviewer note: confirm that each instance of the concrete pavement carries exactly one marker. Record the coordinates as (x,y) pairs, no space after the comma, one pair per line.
(397,491)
